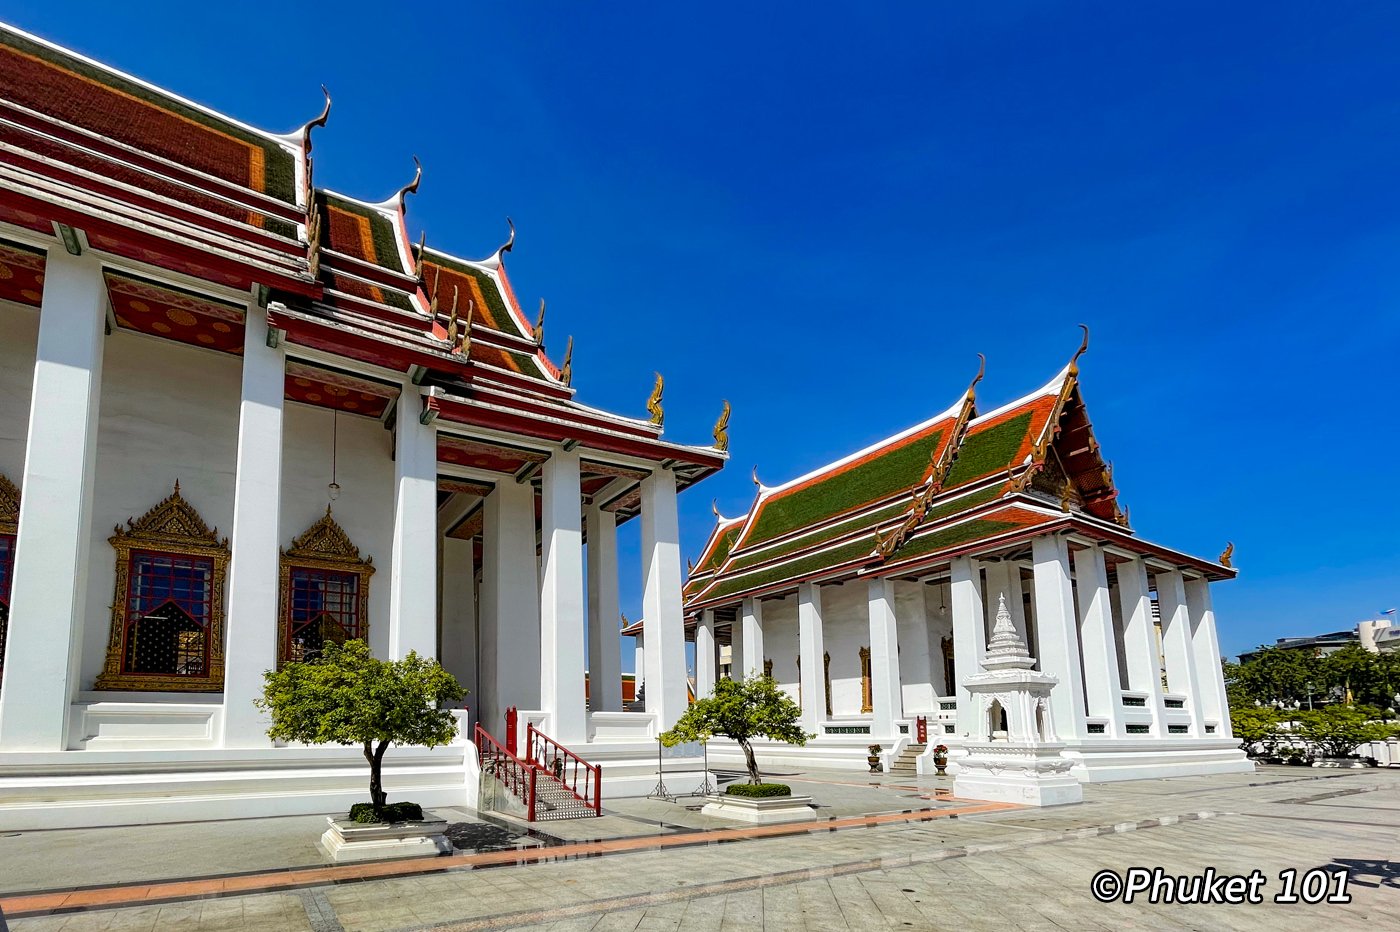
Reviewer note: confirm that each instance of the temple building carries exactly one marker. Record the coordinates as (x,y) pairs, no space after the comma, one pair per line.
(241,417)
(869,589)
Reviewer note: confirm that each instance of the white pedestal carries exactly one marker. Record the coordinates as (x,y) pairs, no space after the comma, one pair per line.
(1010,772)
(761,811)
(346,841)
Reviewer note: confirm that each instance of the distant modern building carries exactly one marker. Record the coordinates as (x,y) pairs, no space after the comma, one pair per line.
(1375,635)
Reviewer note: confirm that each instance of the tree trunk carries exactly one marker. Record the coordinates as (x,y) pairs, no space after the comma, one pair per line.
(377,796)
(749,759)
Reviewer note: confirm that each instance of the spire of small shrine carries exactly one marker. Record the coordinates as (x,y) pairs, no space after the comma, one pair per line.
(1005,649)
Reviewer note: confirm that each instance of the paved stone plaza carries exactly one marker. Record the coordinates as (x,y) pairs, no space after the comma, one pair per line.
(916,861)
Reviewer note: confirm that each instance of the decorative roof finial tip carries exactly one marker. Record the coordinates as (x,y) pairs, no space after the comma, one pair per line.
(658,413)
(1227,554)
(509,244)
(755,477)
(412,186)
(566,373)
(539,326)
(721,432)
(1083,348)
(714,506)
(319,121)
(981,371)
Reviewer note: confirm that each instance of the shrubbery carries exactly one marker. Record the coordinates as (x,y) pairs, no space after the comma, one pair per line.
(759,790)
(390,812)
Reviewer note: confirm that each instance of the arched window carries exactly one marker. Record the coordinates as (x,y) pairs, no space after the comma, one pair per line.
(168,606)
(9,526)
(325,592)
(866,702)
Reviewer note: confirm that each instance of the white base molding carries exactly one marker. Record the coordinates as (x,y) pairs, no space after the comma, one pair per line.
(346,841)
(1012,772)
(759,811)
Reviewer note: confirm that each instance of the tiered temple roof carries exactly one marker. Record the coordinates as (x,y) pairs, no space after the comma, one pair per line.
(207,210)
(958,482)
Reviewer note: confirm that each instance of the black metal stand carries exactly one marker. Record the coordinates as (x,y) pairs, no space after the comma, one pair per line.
(705,788)
(660,791)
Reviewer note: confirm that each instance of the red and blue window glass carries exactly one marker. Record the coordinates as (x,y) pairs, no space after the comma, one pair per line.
(168,607)
(323,608)
(7,574)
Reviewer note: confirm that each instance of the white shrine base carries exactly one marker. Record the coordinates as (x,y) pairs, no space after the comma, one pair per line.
(1010,772)
(345,841)
(761,810)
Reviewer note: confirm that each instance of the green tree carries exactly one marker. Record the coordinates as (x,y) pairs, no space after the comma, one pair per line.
(349,697)
(1353,672)
(1286,674)
(1255,727)
(1336,730)
(742,710)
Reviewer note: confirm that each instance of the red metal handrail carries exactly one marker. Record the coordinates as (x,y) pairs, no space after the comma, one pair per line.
(516,775)
(578,776)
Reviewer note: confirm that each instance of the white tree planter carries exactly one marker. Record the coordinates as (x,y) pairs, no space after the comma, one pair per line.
(347,841)
(759,811)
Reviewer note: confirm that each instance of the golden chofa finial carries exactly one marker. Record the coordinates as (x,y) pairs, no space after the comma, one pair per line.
(755,477)
(658,414)
(539,325)
(1083,348)
(319,121)
(722,428)
(566,372)
(1226,554)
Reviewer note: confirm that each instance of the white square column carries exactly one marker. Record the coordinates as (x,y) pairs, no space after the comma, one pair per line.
(1205,649)
(48,593)
(1140,639)
(1058,633)
(969,638)
(1176,644)
(604,613)
(413,591)
(886,701)
(257,508)
(1096,632)
(811,648)
(746,657)
(563,648)
(510,605)
(663,620)
(459,649)
(705,657)
(916,672)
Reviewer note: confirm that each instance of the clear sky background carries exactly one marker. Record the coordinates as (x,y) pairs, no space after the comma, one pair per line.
(824,213)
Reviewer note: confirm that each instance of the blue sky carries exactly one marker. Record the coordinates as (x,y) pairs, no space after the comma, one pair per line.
(824,213)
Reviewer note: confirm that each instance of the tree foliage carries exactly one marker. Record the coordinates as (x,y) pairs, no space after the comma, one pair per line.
(350,697)
(1294,676)
(1257,729)
(742,710)
(1336,730)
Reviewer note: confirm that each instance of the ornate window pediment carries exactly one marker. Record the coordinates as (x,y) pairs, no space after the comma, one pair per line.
(324,592)
(168,605)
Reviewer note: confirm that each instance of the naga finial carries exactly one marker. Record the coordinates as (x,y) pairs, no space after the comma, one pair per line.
(566,372)
(509,244)
(422,257)
(433,298)
(722,428)
(453,327)
(412,186)
(1225,555)
(1083,348)
(714,507)
(658,413)
(313,241)
(755,477)
(981,371)
(319,121)
(539,325)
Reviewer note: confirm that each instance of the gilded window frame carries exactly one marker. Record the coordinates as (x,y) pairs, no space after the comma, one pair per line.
(175,527)
(323,546)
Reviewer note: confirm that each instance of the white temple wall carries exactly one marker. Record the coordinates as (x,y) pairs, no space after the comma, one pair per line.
(780,641)
(167,412)
(19,335)
(365,508)
(846,629)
